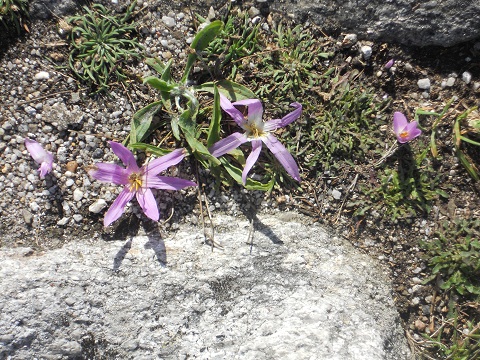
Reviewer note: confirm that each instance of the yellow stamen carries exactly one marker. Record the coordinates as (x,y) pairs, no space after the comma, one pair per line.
(253,131)
(404,134)
(135,181)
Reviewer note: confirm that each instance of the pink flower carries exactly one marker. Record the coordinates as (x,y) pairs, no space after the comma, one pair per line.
(404,130)
(257,131)
(138,181)
(41,156)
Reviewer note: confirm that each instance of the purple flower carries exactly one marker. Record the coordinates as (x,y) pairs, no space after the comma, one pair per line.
(404,130)
(41,156)
(138,181)
(257,132)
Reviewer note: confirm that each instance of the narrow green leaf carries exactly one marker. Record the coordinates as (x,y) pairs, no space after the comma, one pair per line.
(158,83)
(156,64)
(214,127)
(200,151)
(236,174)
(231,89)
(149,148)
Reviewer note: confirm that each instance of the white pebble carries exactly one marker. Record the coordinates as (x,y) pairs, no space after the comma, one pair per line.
(169,21)
(42,75)
(69,182)
(34,206)
(77,195)
(97,206)
(336,194)
(366,51)
(424,84)
(63,221)
(77,217)
(467,77)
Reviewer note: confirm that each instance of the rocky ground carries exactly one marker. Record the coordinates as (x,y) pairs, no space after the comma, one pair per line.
(40,99)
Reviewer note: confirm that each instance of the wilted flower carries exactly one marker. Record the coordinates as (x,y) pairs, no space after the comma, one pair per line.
(257,132)
(138,181)
(404,130)
(41,156)
(389,64)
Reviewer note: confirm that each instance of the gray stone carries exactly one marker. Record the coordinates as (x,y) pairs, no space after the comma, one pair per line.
(467,77)
(422,23)
(291,290)
(46,9)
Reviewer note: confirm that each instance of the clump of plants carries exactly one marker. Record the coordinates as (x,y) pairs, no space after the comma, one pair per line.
(102,44)
(14,13)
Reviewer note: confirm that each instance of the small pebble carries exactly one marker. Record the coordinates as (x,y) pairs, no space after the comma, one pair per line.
(467,77)
(97,206)
(169,21)
(42,75)
(424,84)
(63,221)
(336,194)
(366,52)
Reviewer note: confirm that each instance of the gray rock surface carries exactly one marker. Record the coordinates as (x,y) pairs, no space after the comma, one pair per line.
(410,22)
(292,291)
(44,9)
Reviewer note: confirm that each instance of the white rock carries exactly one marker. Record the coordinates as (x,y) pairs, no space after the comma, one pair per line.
(97,206)
(77,217)
(450,81)
(63,221)
(336,194)
(169,21)
(349,40)
(77,195)
(467,77)
(366,51)
(42,75)
(424,84)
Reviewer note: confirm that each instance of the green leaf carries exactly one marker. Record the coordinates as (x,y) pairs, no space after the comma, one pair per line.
(200,151)
(142,121)
(205,36)
(236,174)
(156,64)
(158,83)
(228,88)
(214,127)
(149,148)
(186,123)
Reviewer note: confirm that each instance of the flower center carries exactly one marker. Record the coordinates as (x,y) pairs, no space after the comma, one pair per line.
(253,130)
(135,181)
(404,134)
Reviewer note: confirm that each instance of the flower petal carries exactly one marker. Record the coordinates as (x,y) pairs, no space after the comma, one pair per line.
(399,122)
(44,169)
(251,159)
(41,156)
(156,166)
(413,131)
(228,107)
(255,108)
(167,183)
(125,155)
(109,173)
(226,145)
(272,125)
(148,203)
(282,155)
(118,207)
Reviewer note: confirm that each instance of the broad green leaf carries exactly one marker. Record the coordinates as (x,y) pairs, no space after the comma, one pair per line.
(230,89)
(186,122)
(205,36)
(214,127)
(150,148)
(236,174)
(142,121)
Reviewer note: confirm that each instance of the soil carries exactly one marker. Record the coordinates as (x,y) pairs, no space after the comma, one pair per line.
(394,243)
